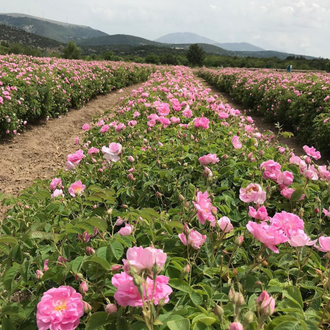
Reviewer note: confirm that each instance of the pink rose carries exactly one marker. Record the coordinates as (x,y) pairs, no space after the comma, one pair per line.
(104,128)
(204,207)
(93,151)
(252,193)
(187,113)
(268,235)
(57,193)
(127,293)
(287,221)
(195,239)
(60,308)
(266,303)
(201,122)
(271,170)
(74,159)
(236,326)
(299,238)
(144,258)
(208,159)
(224,224)
(77,188)
(85,127)
(260,214)
(125,231)
(236,142)
(56,182)
(311,151)
(285,178)
(113,152)
(324,243)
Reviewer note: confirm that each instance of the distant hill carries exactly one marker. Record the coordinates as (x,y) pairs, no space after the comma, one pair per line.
(62,32)
(184,38)
(117,39)
(193,38)
(239,46)
(13,35)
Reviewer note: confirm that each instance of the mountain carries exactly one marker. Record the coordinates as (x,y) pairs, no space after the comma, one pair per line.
(192,38)
(62,32)
(239,47)
(13,35)
(117,39)
(184,38)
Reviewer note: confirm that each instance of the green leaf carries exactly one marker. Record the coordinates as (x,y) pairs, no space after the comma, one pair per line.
(297,194)
(99,223)
(182,324)
(9,239)
(117,249)
(293,293)
(98,320)
(102,262)
(207,320)
(180,285)
(196,298)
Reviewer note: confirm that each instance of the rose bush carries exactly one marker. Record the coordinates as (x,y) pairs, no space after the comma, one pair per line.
(300,102)
(230,250)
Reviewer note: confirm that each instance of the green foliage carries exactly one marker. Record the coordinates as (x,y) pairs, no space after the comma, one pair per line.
(71,51)
(327,68)
(152,59)
(195,55)
(158,201)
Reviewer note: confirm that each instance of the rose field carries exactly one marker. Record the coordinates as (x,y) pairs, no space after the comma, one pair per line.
(298,101)
(174,213)
(36,88)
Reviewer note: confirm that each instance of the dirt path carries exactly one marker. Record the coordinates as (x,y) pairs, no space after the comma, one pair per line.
(42,150)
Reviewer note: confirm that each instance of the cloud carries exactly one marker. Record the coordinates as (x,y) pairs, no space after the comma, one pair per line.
(297,26)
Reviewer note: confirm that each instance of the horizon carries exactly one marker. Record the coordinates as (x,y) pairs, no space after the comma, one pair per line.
(293,26)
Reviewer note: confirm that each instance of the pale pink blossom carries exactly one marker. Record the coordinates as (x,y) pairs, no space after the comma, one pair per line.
(57,193)
(225,224)
(260,214)
(236,326)
(144,258)
(324,244)
(252,193)
(236,142)
(195,239)
(299,238)
(312,152)
(285,178)
(208,159)
(266,234)
(204,207)
(271,170)
(113,152)
(286,222)
(266,303)
(125,231)
(127,293)
(56,182)
(77,188)
(93,151)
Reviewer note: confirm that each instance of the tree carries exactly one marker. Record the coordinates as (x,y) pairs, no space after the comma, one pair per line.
(71,51)
(327,67)
(195,55)
(152,59)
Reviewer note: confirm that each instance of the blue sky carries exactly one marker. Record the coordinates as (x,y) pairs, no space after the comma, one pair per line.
(295,26)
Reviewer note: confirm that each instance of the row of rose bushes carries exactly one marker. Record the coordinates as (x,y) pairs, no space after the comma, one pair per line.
(298,101)
(175,213)
(37,88)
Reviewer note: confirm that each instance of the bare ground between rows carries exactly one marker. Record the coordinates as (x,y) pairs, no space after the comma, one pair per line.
(42,150)
(293,143)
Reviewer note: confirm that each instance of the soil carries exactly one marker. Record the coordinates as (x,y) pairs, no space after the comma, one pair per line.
(42,150)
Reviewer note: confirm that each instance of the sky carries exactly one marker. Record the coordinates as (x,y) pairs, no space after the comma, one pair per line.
(293,26)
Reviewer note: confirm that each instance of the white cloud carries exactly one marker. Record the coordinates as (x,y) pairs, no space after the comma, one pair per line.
(299,26)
